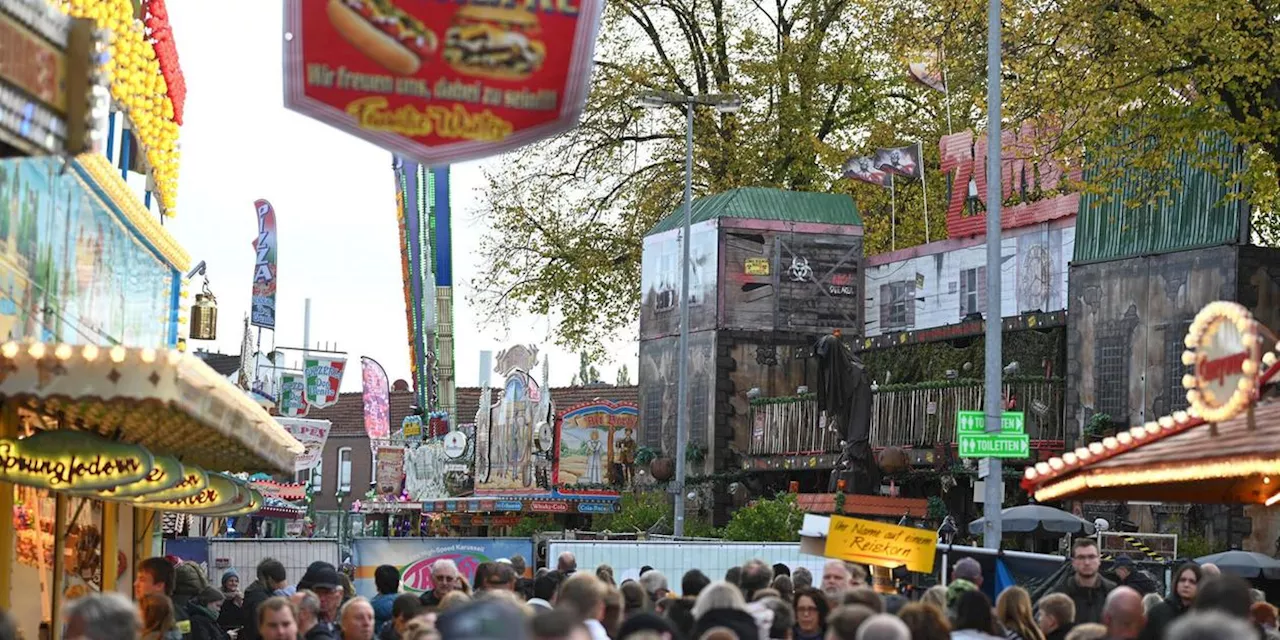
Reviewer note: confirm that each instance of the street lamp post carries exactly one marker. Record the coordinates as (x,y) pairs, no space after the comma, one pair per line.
(724,103)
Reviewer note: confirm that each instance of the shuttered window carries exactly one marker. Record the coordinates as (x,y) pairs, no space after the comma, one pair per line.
(973,291)
(898,305)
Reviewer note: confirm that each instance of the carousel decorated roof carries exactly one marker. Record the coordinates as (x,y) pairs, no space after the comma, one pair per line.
(170,402)
(1225,448)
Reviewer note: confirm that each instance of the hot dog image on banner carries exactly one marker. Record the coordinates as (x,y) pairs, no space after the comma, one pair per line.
(441,82)
(264,268)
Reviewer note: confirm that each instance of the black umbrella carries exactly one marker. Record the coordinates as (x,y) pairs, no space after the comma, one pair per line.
(1245,564)
(1038,520)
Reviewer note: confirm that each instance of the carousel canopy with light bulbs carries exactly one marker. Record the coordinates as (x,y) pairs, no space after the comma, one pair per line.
(1225,448)
(167,401)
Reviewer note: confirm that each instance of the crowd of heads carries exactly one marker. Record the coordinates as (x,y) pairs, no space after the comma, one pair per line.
(756,601)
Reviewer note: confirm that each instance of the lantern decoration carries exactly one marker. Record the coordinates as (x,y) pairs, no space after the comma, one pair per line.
(204,316)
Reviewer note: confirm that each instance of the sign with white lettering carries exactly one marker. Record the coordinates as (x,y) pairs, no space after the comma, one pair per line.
(881,544)
(72,460)
(1011,441)
(441,83)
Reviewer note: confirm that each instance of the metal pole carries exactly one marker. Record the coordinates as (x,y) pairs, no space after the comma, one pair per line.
(994,499)
(682,393)
(893,216)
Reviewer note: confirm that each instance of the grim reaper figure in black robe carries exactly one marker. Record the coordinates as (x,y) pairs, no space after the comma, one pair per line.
(844,393)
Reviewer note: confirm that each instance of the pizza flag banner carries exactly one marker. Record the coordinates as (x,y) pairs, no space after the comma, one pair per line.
(440,82)
(323,376)
(293,396)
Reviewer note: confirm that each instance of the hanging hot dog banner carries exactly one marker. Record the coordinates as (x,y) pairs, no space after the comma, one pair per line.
(441,82)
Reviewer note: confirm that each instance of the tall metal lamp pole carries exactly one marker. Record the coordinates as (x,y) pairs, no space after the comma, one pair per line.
(723,103)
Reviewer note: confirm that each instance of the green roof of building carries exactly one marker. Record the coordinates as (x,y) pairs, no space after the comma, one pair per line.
(1200,209)
(759,203)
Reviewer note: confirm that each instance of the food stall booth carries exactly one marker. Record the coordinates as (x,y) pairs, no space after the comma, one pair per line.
(97,443)
(1223,449)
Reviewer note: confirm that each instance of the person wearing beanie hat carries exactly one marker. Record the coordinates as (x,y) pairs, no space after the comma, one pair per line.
(232,615)
(204,610)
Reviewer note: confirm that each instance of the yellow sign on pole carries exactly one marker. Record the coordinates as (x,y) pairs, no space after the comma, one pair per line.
(880,544)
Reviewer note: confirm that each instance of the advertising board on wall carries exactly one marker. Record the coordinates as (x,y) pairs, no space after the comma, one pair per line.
(414,557)
(441,83)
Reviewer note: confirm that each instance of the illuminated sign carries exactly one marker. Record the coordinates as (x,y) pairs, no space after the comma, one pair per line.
(166,473)
(255,503)
(222,494)
(72,461)
(1225,351)
(47,79)
(194,480)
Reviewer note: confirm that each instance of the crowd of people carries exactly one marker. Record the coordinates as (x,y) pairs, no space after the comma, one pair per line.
(757,601)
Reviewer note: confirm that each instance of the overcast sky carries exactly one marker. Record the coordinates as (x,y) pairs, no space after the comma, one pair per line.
(334,201)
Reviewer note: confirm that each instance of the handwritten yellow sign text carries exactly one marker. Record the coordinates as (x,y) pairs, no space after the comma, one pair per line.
(373,113)
(880,544)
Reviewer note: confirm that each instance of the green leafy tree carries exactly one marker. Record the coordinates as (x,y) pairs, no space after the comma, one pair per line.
(1166,72)
(767,520)
(568,217)
(638,511)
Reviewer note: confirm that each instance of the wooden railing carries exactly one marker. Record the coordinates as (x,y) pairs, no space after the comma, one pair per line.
(901,415)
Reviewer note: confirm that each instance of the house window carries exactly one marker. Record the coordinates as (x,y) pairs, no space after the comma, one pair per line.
(313,477)
(973,291)
(897,305)
(1175,396)
(1112,374)
(344,470)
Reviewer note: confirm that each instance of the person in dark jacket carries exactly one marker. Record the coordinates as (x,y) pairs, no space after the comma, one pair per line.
(1057,616)
(232,614)
(203,610)
(271,577)
(1186,584)
(444,579)
(405,608)
(1085,585)
(1130,575)
(188,581)
(387,579)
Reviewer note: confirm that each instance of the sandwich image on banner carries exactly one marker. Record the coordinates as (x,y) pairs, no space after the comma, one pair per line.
(904,161)
(926,68)
(864,168)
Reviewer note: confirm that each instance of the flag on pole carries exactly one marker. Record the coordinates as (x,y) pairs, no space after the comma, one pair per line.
(864,168)
(377,400)
(264,268)
(926,69)
(903,161)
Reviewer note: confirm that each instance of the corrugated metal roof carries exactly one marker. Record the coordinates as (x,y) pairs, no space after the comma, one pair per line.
(759,203)
(1111,226)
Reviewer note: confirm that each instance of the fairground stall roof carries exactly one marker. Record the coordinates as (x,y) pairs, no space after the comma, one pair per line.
(165,400)
(1225,448)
